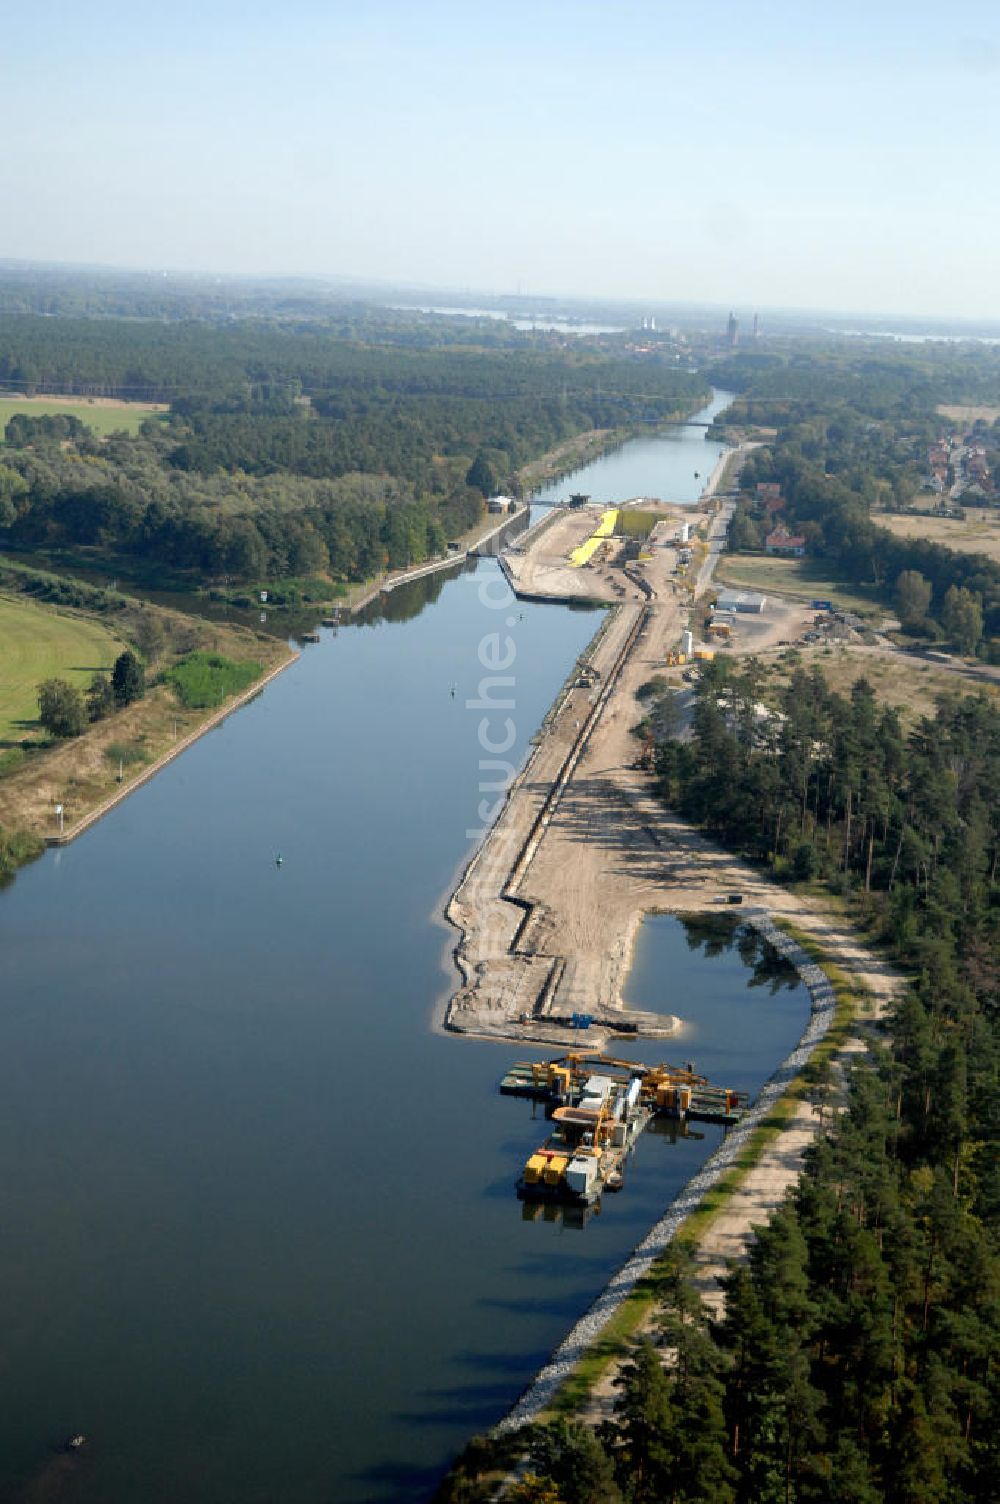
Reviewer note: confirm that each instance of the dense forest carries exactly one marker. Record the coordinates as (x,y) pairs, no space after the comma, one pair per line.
(872,376)
(857,1358)
(353,308)
(249,359)
(288,452)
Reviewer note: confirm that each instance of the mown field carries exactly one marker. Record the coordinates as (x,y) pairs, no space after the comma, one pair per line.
(36,643)
(103,416)
(977,533)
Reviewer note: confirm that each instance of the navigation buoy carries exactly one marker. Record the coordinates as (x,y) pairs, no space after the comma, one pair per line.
(278,860)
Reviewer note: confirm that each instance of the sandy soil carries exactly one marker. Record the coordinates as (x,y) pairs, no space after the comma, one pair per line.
(544,570)
(906,680)
(548,915)
(583,850)
(701,869)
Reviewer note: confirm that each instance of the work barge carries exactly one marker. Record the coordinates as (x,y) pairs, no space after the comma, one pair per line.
(600,1105)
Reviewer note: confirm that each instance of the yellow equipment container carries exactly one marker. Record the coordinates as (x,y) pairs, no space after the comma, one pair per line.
(534,1168)
(704,655)
(555,1169)
(548,1073)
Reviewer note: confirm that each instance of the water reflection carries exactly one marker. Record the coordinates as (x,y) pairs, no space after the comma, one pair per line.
(714,934)
(407,601)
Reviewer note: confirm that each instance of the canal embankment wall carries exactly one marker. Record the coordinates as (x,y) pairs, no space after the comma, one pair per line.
(483,547)
(63,838)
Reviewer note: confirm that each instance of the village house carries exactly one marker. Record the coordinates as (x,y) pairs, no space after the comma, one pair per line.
(781,541)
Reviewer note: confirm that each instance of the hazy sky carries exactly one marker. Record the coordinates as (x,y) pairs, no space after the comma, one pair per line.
(829,154)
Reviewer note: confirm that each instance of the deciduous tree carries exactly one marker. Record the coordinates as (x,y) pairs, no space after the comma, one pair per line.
(60,708)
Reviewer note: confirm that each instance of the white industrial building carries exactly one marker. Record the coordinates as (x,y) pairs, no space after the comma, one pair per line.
(747,601)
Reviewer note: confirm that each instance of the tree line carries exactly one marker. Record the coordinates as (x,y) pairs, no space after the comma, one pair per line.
(122,505)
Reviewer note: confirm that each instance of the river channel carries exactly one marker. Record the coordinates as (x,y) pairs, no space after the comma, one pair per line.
(260,1240)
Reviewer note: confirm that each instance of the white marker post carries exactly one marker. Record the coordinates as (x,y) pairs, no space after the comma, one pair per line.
(59,812)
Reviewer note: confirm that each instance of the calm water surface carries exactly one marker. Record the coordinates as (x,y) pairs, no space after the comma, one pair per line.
(260,1239)
(664,465)
(558,326)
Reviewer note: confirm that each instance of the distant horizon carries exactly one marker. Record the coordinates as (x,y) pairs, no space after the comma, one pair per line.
(942,323)
(744,157)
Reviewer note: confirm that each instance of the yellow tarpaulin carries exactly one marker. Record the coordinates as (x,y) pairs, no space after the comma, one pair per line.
(604,529)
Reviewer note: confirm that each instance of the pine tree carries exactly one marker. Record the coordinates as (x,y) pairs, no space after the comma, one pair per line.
(128,679)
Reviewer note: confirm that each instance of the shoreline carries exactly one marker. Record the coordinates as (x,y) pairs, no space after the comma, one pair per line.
(585,1331)
(63,838)
(514,991)
(748,1173)
(608,440)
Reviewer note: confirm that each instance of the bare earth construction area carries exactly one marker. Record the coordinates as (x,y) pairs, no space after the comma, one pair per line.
(549,906)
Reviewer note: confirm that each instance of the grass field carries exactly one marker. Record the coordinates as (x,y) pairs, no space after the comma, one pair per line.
(632,522)
(796,579)
(103,415)
(977,533)
(39,643)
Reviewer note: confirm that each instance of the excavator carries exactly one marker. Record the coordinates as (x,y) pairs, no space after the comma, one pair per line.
(646,760)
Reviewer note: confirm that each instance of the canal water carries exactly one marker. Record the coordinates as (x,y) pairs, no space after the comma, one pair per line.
(671,464)
(260,1239)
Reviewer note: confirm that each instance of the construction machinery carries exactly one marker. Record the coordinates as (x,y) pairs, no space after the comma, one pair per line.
(600,1105)
(646,760)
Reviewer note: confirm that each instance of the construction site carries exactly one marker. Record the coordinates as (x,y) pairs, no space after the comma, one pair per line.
(549,906)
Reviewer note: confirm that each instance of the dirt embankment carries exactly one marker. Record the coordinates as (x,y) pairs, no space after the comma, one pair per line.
(549,907)
(566,457)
